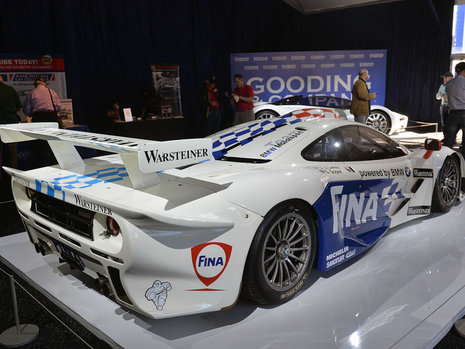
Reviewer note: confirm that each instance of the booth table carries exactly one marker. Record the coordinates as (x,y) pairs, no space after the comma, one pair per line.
(157,129)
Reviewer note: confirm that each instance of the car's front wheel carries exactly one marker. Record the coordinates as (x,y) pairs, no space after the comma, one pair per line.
(380,121)
(281,255)
(447,186)
(266,114)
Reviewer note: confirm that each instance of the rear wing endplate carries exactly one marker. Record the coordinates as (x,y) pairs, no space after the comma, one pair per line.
(142,158)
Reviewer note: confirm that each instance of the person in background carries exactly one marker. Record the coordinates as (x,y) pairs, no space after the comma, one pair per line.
(243,98)
(112,112)
(42,104)
(152,102)
(9,107)
(455,90)
(109,114)
(442,95)
(210,104)
(361,98)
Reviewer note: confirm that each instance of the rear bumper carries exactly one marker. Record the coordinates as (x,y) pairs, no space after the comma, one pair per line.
(153,270)
(398,123)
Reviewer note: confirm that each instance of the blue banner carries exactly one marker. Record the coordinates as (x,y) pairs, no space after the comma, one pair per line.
(277,75)
(458,35)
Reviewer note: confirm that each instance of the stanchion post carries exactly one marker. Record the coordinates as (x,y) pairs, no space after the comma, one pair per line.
(14,336)
(460,327)
(15,304)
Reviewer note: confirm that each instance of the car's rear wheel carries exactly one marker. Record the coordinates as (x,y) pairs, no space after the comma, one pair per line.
(380,121)
(266,114)
(447,186)
(281,255)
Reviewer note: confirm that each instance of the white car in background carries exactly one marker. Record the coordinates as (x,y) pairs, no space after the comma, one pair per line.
(380,118)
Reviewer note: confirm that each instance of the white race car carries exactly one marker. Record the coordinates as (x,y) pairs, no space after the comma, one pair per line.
(184,227)
(380,118)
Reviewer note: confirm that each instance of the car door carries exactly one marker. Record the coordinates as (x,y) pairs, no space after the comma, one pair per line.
(385,171)
(355,208)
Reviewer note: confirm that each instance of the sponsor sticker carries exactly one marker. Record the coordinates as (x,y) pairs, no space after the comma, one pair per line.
(374,173)
(22,181)
(348,208)
(349,169)
(91,205)
(423,173)
(382,172)
(158,293)
(339,256)
(415,210)
(329,169)
(273,146)
(210,260)
(171,154)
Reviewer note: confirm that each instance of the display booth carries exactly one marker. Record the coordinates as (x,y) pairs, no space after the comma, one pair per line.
(405,292)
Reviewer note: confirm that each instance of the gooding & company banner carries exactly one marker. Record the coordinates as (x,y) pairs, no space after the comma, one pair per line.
(277,75)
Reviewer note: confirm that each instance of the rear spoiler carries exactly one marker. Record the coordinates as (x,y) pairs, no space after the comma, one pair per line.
(142,158)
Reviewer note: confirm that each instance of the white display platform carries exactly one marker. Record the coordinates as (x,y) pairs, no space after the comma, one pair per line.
(405,292)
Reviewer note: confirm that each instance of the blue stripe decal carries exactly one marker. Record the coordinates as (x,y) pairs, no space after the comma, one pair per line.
(50,191)
(242,134)
(38,186)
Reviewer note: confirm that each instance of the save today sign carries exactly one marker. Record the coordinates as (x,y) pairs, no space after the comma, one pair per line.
(277,75)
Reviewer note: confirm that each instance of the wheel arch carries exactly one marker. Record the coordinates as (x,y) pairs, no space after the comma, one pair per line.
(461,162)
(266,110)
(251,290)
(314,217)
(388,116)
(438,202)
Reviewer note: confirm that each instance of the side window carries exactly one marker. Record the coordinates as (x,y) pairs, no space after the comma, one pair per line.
(353,143)
(329,147)
(364,143)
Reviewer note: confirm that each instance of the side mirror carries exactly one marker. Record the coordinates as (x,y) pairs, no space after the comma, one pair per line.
(431,145)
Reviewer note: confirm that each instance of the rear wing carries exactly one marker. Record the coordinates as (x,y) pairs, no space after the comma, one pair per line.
(142,158)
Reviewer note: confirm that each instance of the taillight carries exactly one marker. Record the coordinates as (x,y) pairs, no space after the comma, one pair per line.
(112,226)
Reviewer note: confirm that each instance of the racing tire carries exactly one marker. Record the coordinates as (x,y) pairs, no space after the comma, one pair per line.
(447,186)
(266,114)
(281,255)
(379,120)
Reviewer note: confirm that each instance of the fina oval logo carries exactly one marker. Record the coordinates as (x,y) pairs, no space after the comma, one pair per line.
(210,261)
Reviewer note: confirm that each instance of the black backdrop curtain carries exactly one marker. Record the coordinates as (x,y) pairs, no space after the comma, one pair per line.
(109,46)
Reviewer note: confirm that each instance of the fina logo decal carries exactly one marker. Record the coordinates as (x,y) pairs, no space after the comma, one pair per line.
(357,207)
(210,261)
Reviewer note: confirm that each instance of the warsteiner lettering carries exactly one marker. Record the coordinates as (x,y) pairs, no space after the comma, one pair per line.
(91,205)
(157,157)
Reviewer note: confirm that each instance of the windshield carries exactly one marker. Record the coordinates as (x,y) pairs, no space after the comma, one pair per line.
(317,101)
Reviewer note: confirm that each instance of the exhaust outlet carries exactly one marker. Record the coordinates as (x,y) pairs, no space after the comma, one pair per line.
(103,285)
(43,248)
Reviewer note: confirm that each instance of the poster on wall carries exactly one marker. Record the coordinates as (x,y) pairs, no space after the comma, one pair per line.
(167,84)
(277,75)
(66,112)
(20,71)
